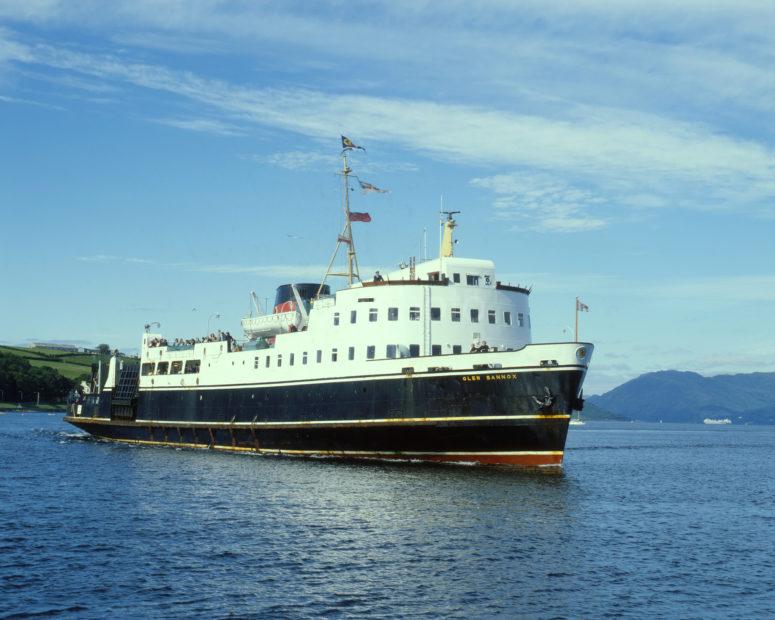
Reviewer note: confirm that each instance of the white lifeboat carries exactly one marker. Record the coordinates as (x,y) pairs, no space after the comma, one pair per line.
(270,324)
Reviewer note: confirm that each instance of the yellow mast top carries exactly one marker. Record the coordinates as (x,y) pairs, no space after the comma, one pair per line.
(447,242)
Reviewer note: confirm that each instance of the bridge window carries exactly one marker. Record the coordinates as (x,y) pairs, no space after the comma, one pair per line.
(304,358)
(290,361)
(435,349)
(162,367)
(255,362)
(334,355)
(456,348)
(521,319)
(353,315)
(474,315)
(192,366)
(147,369)
(456,278)
(472,280)
(392,314)
(414,313)
(507,317)
(177,367)
(370,350)
(336,318)
(390,351)
(351,353)
(319,356)
(456,315)
(267,362)
(279,360)
(491,317)
(414,350)
(435,314)
(372,315)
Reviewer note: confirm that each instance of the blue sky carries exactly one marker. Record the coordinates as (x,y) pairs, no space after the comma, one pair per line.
(160,160)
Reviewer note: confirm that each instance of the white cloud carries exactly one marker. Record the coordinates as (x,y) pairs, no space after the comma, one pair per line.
(720,289)
(204,125)
(39,104)
(269,271)
(540,202)
(111,258)
(608,148)
(298,160)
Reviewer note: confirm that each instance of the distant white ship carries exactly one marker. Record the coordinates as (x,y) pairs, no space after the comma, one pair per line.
(717,421)
(577,421)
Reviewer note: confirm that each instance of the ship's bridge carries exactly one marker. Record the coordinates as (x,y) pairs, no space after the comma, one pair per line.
(465,271)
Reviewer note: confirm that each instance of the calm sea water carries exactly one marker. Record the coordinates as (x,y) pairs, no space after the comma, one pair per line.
(647,521)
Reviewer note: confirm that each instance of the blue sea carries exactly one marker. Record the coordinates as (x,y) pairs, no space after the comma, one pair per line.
(647,521)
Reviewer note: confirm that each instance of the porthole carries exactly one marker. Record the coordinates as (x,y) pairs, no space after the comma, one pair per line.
(581,352)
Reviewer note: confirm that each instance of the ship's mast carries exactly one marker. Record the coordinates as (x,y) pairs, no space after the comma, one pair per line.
(346,236)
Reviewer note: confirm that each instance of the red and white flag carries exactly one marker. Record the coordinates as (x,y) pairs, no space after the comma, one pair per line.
(359,217)
(581,306)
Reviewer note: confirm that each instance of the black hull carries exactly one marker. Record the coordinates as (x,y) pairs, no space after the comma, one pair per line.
(491,417)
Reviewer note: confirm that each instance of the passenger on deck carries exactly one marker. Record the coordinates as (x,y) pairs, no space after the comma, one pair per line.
(378,277)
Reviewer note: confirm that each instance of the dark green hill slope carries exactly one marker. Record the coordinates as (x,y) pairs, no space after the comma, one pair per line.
(674,396)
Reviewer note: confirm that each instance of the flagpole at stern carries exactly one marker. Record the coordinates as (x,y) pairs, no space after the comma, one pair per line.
(576,335)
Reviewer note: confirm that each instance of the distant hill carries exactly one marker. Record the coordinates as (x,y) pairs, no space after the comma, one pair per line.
(593,412)
(72,365)
(674,396)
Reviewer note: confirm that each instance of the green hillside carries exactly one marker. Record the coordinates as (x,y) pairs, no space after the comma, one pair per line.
(71,365)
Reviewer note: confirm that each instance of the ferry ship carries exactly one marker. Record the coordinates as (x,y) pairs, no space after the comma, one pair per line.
(432,361)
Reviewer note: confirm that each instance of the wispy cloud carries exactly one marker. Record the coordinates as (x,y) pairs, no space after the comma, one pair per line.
(110,258)
(298,160)
(602,148)
(39,104)
(731,289)
(543,203)
(203,125)
(270,271)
